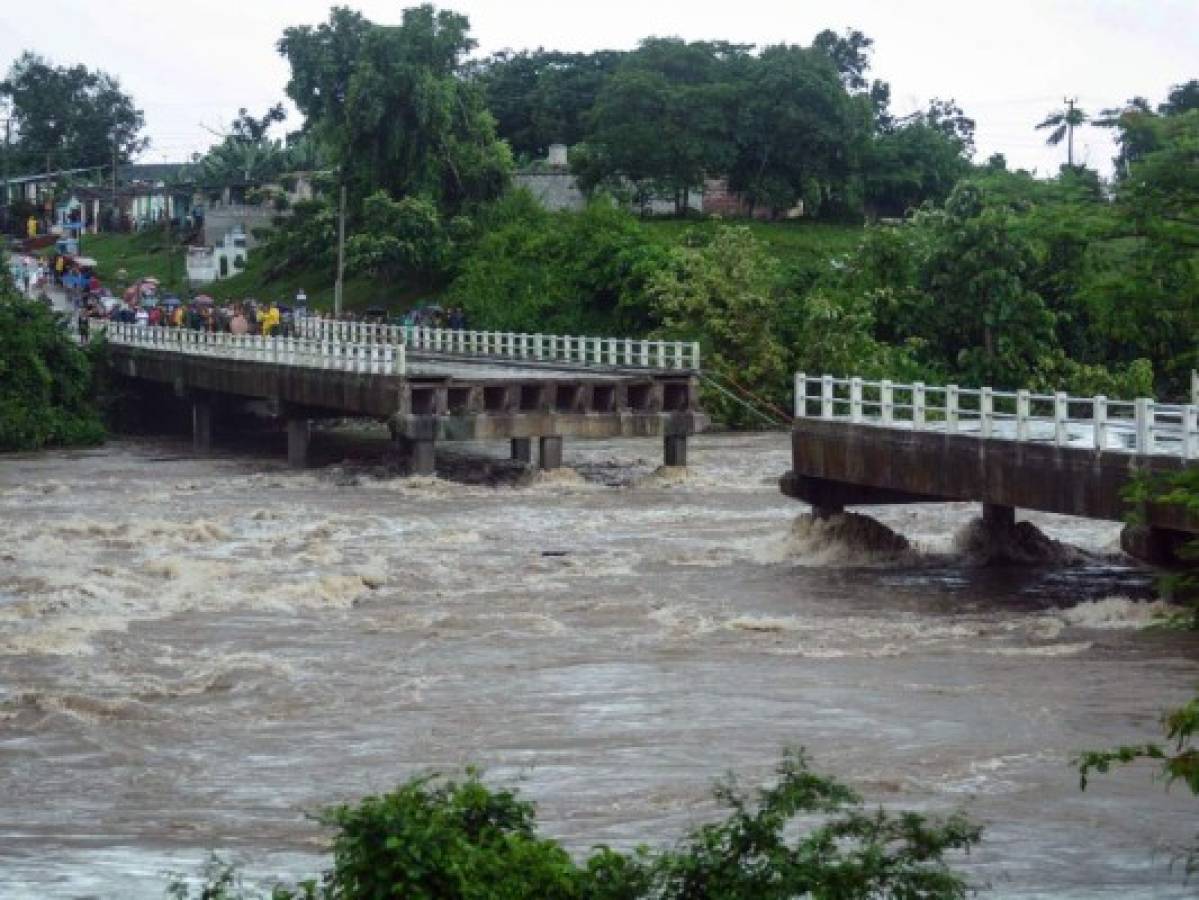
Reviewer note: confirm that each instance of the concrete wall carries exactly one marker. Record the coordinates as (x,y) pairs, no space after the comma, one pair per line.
(219,220)
(553,190)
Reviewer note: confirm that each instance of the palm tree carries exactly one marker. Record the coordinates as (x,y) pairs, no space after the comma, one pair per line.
(1063,122)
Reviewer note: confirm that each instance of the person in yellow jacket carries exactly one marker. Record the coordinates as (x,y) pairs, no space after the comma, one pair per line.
(270,319)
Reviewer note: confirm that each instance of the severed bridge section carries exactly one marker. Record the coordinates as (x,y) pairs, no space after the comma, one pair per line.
(859,442)
(429,385)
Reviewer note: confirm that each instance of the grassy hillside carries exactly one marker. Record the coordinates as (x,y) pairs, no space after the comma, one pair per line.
(143,254)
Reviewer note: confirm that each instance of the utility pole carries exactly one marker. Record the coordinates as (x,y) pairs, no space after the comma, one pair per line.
(341,251)
(1070,130)
(113,217)
(6,225)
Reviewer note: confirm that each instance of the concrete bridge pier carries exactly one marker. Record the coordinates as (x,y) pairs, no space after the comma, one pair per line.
(522,450)
(998,517)
(550,447)
(299,433)
(202,424)
(414,442)
(674,450)
(421,456)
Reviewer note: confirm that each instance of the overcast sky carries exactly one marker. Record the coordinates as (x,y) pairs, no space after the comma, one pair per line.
(189,66)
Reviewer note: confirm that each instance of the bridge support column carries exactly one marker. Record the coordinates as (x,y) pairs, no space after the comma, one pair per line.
(421,456)
(674,450)
(551,452)
(202,424)
(298,434)
(522,450)
(997,517)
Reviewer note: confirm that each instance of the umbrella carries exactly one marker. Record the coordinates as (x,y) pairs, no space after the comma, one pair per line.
(150,279)
(171,302)
(85,262)
(203,300)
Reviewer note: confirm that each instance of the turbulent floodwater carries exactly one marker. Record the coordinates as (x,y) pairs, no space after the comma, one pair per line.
(195,652)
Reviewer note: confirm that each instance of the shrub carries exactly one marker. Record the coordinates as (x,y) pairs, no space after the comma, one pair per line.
(805,835)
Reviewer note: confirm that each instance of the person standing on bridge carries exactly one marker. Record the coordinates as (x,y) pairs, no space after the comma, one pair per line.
(270,319)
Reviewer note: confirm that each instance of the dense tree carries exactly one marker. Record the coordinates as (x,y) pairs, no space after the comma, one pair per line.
(390,108)
(917,159)
(68,117)
(541,97)
(849,54)
(664,119)
(799,135)
(1147,294)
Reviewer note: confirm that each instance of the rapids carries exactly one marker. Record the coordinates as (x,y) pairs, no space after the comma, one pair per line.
(196,652)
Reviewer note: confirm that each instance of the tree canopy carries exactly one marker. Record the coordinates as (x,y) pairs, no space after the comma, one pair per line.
(68,117)
(390,107)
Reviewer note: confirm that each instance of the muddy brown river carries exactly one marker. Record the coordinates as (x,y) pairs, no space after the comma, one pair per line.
(194,653)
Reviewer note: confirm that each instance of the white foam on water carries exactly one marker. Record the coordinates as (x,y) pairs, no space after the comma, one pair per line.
(1117,612)
(1063,649)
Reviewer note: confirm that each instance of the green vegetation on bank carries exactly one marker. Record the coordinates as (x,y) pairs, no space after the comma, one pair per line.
(805,835)
(45,380)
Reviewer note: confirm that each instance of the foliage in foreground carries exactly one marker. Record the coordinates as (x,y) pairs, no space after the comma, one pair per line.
(803,836)
(45,380)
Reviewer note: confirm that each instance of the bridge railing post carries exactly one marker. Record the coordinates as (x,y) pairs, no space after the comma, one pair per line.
(886,402)
(918,406)
(1194,388)
(855,399)
(1143,412)
(1061,416)
(1099,422)
(951,407)
(801,395)
(986,412)
(1023,401)
(1190,431)
(826,397)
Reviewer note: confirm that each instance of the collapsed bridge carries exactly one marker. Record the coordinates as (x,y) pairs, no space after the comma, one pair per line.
(428,384)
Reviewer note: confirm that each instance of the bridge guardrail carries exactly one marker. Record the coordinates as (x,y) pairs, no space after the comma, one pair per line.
(576,350)
(346,356)
(1141,426)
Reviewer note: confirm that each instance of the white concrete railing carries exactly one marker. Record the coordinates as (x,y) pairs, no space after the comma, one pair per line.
(589,351)
(377,359)
(1122,426)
